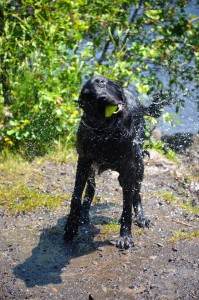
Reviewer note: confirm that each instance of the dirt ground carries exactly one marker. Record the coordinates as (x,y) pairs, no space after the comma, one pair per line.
(37,264)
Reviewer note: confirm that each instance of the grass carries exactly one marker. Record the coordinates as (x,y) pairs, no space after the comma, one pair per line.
(60,154)
(138,231)
(180,235)
(21,187)
(115,227)
(111,227)
(170,198)
(22,199)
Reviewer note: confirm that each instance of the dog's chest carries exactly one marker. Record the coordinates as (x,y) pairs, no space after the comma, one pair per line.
(104,146)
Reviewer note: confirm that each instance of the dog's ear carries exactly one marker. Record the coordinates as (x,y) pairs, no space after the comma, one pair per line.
(85,99)
(82,96)
(80,102)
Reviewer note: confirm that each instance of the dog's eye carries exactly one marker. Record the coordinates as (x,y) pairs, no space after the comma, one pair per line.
(100,82)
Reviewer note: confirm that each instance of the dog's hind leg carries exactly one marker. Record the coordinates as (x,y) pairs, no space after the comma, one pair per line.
(82,174)
(89,195)
(127,183)
(140,218)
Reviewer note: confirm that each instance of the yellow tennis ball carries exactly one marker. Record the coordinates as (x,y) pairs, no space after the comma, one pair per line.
(110,109)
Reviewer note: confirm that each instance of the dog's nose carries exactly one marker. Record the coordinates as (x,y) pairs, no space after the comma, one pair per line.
(100,81)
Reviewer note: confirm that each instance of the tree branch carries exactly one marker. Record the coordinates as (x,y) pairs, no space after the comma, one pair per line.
(106,46)
(2,24)
(3,74)
(131,21)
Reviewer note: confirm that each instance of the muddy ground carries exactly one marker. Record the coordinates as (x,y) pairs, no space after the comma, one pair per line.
(37,264)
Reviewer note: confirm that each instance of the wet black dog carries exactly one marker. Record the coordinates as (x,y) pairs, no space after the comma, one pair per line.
(110,136)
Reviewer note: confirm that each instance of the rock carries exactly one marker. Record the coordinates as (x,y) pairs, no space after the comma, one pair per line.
(178,142)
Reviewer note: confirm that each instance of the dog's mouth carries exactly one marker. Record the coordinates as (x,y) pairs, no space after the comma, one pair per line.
(112,110)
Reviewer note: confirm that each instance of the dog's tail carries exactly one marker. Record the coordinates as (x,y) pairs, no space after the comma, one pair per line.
(156,107)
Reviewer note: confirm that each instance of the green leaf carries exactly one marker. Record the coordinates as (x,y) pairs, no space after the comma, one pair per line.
(12,131)
(153,14)
(142,88)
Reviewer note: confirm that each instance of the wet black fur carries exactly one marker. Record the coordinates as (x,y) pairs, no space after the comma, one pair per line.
(109,143)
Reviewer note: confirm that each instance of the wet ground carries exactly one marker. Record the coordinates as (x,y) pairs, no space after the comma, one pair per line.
(37,264)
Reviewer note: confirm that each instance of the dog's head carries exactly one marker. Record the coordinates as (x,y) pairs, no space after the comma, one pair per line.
(101,97)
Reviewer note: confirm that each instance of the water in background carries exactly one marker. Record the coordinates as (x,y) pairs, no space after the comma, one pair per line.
(189,115)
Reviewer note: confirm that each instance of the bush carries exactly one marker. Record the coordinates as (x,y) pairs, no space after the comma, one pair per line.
(48,48)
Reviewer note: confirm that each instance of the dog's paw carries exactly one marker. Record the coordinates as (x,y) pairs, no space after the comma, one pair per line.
(125,242)
(143,222)
(71,229)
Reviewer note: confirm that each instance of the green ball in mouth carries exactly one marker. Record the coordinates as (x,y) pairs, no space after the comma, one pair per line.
(110,110)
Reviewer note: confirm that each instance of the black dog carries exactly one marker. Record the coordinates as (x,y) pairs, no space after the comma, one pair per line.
(110,140)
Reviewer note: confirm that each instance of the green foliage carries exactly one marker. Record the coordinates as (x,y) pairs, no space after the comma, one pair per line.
(47,48)
(153,143)
(160,147)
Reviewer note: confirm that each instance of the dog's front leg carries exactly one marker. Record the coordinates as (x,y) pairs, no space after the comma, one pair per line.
(89,195)
(71,227)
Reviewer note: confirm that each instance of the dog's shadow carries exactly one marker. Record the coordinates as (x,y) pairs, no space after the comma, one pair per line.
(52,254)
